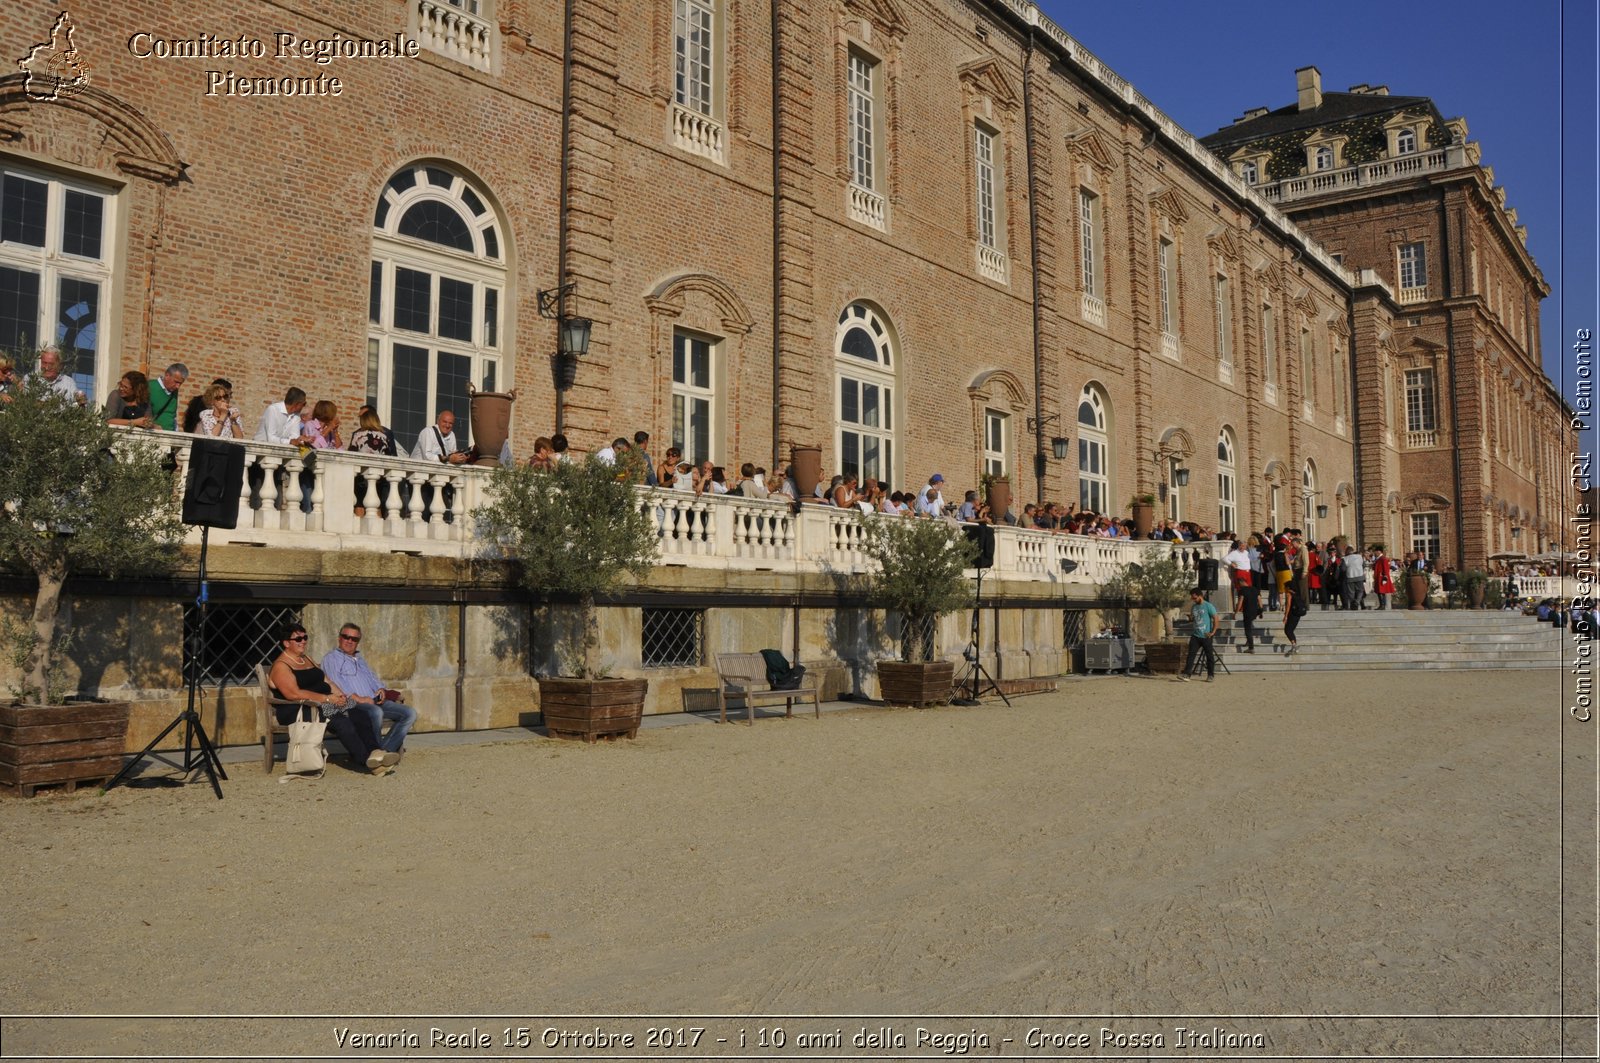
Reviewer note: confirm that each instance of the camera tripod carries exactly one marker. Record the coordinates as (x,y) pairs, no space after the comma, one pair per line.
(975,680)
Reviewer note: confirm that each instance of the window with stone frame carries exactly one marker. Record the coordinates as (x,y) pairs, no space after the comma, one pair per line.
(1421,416)
(996,448)
(1249,172)
(1425,536)
(1413,267)
(1224,311)
(1269,352)
(693,395)
(57,259)
(439,286)
(1308,372)
(863,117)
(989,213)
(1227,483)
(1322,158)
(1090,222)
(1308,500)
(1167,293)
(1405,142)
(1094,452)
(864,424)
(698,78)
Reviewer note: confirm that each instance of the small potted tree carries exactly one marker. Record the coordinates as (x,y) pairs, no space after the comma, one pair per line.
(575,532)
(1474,584)
(921,573)
(75,496)
(1159,582)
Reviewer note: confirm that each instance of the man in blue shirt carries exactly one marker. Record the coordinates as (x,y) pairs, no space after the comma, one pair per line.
(346,667)
(1204,616)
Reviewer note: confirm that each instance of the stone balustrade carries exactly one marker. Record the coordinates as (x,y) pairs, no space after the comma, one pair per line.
(342,500)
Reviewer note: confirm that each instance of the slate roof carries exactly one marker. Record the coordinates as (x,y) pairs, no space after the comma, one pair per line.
(1336,107)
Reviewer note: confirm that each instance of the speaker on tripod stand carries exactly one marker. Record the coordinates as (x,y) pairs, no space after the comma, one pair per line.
(978,681)
(210,500)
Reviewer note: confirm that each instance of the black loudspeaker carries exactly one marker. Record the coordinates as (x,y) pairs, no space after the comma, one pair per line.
(1208,573)
(216,476)
(983,536)
(1449,582)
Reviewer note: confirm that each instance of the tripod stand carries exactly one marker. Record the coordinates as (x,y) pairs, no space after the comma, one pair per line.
(977,679)
(193,730)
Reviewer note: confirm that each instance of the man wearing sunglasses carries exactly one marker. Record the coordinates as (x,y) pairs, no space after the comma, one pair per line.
(347,667)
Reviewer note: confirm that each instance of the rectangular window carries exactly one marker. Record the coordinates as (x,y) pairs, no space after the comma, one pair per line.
(1420,415)
(413,300)
(692,44)
(1224,322)
(994,443)
(988,234)
(1088,230)
(672,637)
(1269,349)
(1227,512)
(692,395)
(862,132)
(1413,266)
(54,271)
(1425,534)
(1165,276)
(1308,370)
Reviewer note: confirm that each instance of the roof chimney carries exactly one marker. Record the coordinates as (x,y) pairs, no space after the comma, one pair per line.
(1361,88)
(1308,80)
(1252,113)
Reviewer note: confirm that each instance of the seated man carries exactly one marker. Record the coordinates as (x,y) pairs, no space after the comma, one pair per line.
(438,443)
(346,667)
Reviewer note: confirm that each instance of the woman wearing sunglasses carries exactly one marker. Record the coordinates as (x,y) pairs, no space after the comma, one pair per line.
(296,677)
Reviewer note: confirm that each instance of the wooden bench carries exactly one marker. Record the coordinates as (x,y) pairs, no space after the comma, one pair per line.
(744,676)
(267,725)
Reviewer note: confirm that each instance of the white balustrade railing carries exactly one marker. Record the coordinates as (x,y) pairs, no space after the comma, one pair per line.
(867,207)
(332,500)
(453,30)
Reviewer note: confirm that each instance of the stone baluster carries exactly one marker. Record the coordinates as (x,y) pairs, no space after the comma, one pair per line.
(268,516)
(294,517)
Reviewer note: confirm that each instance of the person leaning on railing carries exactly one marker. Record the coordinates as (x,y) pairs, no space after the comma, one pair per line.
(130,404)
(219,419)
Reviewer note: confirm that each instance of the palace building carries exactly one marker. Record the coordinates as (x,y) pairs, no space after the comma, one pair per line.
(922,235)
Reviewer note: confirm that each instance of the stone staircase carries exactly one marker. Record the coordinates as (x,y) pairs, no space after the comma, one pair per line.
(1368,640)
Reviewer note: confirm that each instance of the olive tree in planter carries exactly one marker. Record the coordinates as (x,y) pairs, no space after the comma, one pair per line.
(1159,582)
(75,496)
(576,531)
(920,573)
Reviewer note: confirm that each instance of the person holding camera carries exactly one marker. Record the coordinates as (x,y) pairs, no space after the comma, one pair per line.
(438,443)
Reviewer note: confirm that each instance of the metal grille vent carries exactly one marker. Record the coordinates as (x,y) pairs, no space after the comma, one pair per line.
(673,637)
(238,637)
(1072,630)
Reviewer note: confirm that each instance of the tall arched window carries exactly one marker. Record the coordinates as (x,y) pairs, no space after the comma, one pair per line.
(439,286)
(1094,452)
(1227,483)
(1308,499)
(1405,142)
(865,360)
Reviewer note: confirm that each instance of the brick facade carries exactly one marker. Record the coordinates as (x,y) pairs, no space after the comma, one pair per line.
(243,229)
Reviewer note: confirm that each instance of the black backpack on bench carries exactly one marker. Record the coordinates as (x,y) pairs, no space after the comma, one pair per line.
(780,674)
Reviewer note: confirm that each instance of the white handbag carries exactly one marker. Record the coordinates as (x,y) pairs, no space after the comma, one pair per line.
(306,755)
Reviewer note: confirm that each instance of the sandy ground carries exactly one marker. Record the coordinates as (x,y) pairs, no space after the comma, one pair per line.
(1311,845)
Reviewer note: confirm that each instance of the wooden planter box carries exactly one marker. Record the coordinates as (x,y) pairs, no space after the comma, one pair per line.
(61,745)
(592,708)
(1165,658)
(916,682)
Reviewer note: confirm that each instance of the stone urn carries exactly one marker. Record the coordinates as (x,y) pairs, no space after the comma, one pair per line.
(805,464)
(999,497)
(1417,589)
(1144,519)
(491,422)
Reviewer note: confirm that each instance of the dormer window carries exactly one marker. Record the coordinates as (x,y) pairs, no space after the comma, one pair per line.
(1250,173)
(1323,159)
(1405,142)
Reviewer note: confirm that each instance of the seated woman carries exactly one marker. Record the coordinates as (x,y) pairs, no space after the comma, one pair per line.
(218,418)
(323,428)
(130,405)
(296,677)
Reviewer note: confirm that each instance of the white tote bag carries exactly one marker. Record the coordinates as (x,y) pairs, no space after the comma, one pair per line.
(307,755)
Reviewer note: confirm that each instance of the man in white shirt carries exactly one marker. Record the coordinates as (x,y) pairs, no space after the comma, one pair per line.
(929,502)
(608,455)
(1237,562)
(280,422)
(439,442)
(59,382)
(1355,579)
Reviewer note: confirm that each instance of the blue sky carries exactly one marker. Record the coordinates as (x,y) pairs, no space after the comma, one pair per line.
(1501,68)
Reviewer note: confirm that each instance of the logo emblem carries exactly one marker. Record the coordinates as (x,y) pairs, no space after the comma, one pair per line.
(55,68)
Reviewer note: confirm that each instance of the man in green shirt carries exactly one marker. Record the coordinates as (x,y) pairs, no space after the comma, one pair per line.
(164,396)
(1204,616)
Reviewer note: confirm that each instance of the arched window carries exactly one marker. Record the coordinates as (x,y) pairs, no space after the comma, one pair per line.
(1094,452)
(1250,173)
(865,360)
(1227,483)
(1308,499)
(439,285)
(1324,158)
(1405,142)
